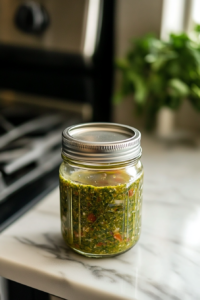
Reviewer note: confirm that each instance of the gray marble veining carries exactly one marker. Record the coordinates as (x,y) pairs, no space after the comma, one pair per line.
(164,265)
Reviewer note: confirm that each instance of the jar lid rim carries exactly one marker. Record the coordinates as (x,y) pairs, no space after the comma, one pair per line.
(101,142)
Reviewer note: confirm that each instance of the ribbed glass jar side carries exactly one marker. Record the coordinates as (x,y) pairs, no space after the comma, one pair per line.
(101,207)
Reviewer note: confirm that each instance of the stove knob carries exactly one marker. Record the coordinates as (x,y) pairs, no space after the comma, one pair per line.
(31,17)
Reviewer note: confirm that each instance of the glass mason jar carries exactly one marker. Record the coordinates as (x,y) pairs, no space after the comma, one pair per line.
(101,182)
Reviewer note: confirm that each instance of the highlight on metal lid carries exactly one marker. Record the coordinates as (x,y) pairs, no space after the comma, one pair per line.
(101,143)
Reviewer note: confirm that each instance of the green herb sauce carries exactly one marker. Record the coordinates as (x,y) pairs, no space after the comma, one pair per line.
(100,220)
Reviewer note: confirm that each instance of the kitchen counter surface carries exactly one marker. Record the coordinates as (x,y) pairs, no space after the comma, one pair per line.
(164,265)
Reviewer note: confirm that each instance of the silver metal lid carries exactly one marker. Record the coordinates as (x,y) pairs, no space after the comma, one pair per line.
(101,143)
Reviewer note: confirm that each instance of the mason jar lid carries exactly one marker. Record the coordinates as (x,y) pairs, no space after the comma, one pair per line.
(94,143)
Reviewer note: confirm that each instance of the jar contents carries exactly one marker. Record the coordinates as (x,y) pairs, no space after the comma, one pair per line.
(101,213)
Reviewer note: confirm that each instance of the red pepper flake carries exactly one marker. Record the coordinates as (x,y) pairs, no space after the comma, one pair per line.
(99,244)
(91,217)
(76,246)
(118,236)
(130,193)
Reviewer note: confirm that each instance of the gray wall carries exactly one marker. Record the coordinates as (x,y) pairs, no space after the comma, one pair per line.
(135,18)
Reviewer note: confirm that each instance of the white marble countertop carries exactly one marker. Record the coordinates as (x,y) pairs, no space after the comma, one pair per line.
(164,265)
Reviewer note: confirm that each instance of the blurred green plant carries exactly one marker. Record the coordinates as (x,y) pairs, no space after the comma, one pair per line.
(158,73)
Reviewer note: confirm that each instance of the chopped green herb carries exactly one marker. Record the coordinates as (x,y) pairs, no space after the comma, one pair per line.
(101,220)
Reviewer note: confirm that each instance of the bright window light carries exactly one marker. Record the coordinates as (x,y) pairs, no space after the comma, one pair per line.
(172,17)
(91,27)
(196,11)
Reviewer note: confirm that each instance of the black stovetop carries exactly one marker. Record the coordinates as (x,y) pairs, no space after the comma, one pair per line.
(30,142)
(20,202)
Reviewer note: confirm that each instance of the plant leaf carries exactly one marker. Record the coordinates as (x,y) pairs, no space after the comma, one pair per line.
(196,90)
(197,28)
(178,88)
(140,88)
